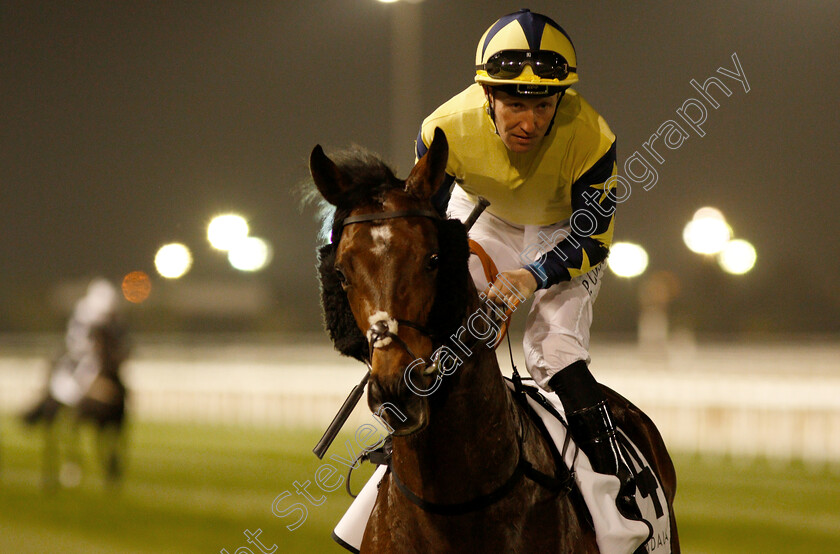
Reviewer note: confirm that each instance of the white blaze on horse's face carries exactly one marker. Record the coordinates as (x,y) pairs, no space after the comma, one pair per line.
(389,322)
(381,237)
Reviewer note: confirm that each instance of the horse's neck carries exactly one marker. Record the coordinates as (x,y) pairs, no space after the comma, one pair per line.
(470,443)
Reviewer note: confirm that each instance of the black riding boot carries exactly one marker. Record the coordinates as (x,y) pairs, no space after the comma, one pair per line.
(591,425)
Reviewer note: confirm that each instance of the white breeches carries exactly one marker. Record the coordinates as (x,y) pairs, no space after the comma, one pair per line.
(557,329)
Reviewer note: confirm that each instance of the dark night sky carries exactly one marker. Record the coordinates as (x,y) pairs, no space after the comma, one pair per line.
(126,125)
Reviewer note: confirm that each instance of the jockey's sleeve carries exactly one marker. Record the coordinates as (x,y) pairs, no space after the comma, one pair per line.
(440,199)
(567,254)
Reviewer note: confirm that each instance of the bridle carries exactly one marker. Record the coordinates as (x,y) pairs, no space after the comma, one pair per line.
(379,330)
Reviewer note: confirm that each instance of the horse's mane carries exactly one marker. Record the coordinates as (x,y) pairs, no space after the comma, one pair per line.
(368,178)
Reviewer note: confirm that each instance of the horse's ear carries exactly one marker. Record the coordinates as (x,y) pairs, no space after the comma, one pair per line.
(328,178)
(428,174)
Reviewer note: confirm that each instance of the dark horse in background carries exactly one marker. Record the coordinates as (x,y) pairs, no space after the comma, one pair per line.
(100,401)
(395,286)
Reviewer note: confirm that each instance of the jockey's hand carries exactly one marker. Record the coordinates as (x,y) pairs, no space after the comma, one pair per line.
(520,280)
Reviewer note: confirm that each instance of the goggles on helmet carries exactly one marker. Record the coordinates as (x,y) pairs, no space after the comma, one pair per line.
(507,64)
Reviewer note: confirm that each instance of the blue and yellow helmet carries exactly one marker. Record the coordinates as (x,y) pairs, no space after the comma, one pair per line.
(526,49)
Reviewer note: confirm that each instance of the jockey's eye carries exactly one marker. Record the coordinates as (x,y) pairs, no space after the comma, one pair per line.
(433,261)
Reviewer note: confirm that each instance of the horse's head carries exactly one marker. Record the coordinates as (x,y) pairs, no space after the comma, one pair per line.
(389,276)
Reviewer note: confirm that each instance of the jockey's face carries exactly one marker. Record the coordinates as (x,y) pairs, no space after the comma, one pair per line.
(521,121)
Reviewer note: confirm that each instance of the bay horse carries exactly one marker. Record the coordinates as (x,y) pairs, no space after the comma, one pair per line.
(469,470)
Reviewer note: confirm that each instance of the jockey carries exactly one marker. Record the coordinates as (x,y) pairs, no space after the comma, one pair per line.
(95,343)
(524,140)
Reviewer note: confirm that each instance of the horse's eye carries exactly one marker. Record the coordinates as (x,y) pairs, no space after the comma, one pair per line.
(342,278)
(434,261)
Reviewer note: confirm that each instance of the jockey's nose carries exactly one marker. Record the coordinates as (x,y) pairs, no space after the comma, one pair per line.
(528,123)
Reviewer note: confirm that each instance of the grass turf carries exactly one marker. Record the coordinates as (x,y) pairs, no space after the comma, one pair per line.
(198,488)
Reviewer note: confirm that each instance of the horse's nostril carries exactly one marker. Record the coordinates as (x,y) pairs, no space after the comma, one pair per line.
(379,329)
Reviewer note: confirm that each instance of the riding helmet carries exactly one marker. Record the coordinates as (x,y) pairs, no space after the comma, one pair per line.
(525,33)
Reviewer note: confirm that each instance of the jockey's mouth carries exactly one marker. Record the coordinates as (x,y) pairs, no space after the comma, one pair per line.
(524,139)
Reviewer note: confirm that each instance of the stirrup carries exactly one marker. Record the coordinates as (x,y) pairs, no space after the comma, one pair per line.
(595,434)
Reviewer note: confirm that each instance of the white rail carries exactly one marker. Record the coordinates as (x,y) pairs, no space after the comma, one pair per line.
(773,401)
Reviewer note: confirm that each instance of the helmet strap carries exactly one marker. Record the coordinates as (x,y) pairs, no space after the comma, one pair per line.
(491,110)
(556,109)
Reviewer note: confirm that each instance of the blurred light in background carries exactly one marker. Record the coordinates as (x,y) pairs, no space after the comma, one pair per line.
(737,257)
(250,254)
(707,232)
(627,259)
(226,230)
(136,286)
(708,212)
(173,260)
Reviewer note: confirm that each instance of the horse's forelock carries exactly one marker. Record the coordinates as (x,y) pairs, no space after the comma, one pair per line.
(367,177)
(366,180)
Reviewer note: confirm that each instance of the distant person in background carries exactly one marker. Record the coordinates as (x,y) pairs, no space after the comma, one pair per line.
(85,383)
